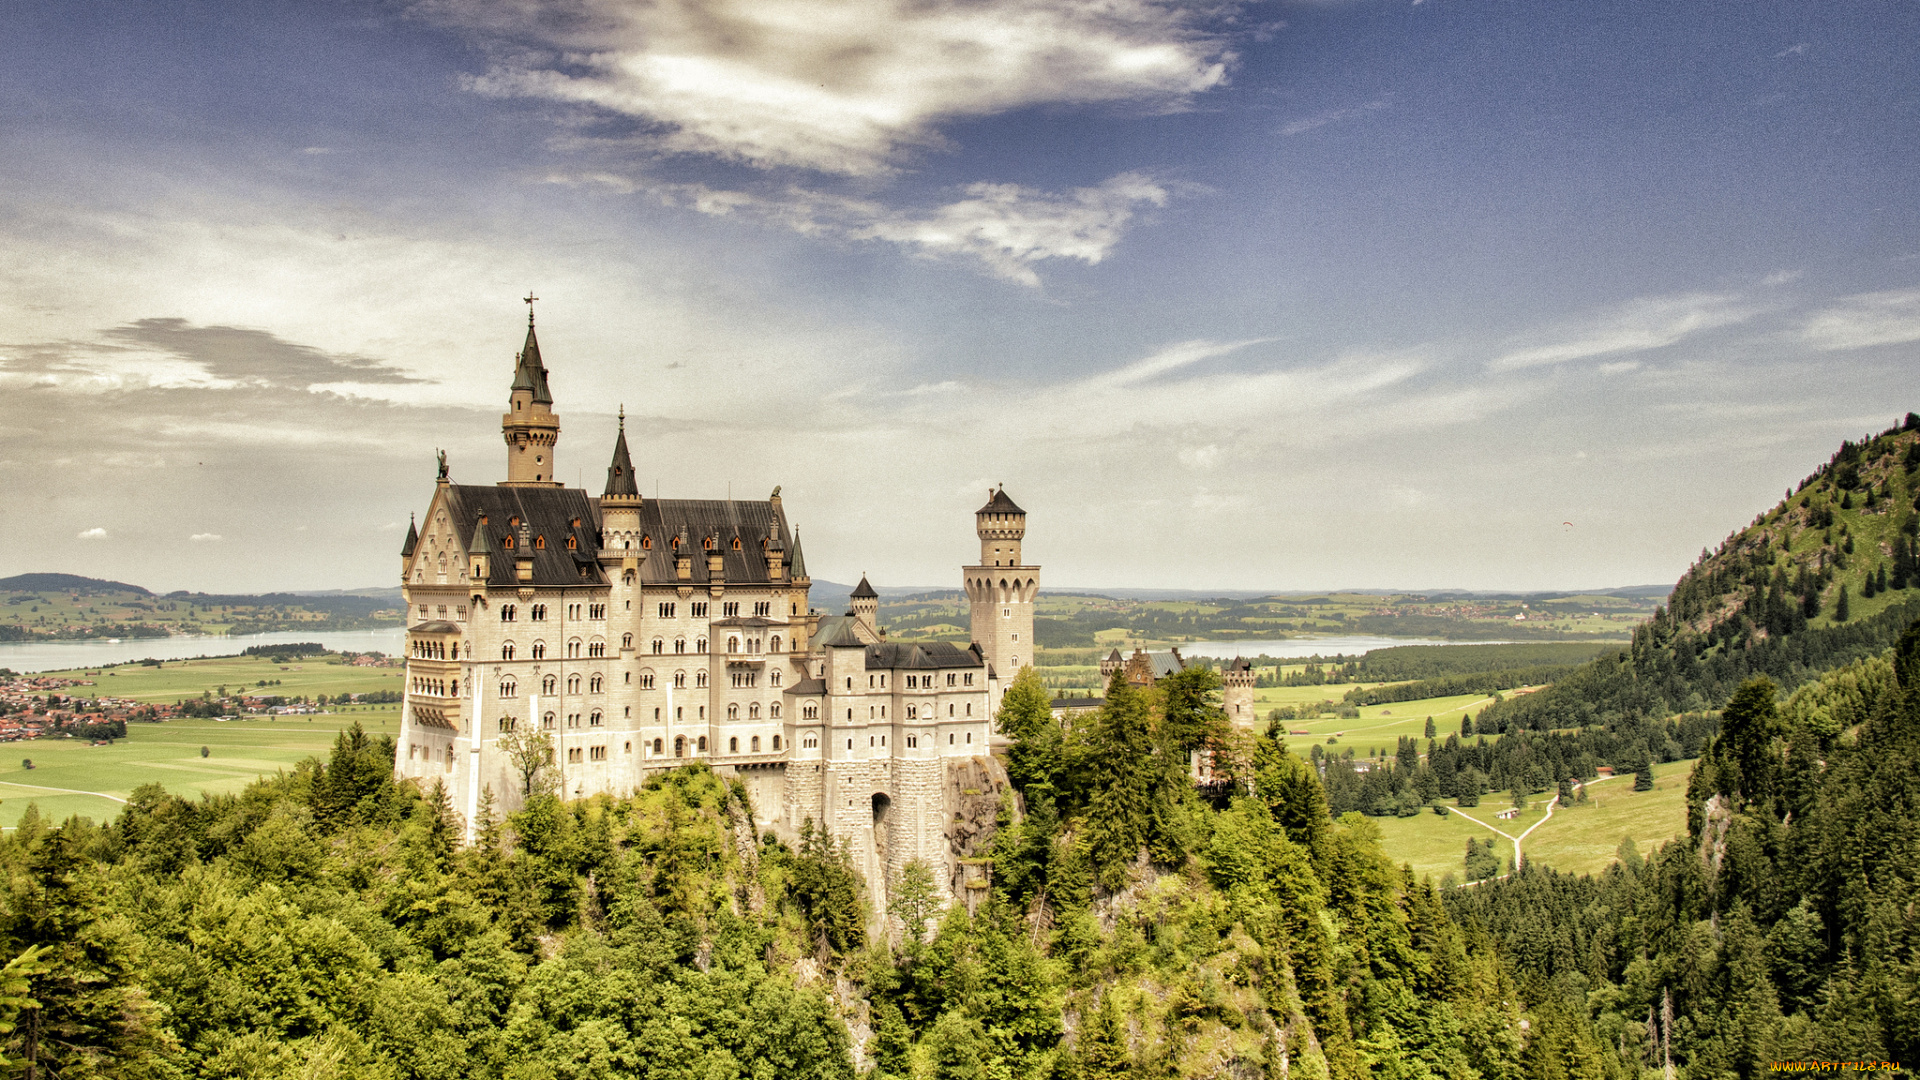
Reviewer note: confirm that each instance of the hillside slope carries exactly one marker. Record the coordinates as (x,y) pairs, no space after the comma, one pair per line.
(1826,577)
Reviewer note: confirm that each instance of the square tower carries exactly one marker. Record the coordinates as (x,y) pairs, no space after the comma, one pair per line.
(1001,590)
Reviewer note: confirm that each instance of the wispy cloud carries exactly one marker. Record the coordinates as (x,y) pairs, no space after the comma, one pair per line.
(1856,322)
(844,87)
(1648,323)
(1795,49)
(95,533)
(1007,229)
(1302,126)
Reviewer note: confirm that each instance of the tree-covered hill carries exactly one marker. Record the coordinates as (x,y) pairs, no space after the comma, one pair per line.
(1826,577)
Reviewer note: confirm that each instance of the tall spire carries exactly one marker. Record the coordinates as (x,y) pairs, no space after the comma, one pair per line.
(413,539)
(797,566)
(529,426)
(620,472)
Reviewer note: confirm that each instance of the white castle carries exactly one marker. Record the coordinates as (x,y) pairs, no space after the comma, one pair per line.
(645,634)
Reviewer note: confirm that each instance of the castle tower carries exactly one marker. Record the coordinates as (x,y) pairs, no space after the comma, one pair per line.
(620,503)
(1236,691)
(1001,591)
(529,426)
(864,605)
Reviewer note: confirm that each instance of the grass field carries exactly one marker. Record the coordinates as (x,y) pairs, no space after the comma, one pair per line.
(190,678)
(1377,727)
(1577,839)
(96,778)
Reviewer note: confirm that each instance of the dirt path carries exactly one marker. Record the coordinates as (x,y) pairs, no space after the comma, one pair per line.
(1519,857)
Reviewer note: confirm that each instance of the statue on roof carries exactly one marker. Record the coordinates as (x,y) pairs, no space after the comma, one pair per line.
(442,455)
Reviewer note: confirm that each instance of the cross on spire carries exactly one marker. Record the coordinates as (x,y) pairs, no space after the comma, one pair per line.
(528,300)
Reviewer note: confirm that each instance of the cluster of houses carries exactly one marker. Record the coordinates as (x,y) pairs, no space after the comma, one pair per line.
(29,715)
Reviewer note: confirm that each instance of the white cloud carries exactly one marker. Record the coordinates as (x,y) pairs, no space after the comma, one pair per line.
(1648,323)
(93,534)
(1006,228)
(843,87)
(204,538)
(1302,126)
(1856,322)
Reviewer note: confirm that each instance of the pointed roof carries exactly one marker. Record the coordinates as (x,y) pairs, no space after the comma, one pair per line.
(797,568)
(620,472)
(478,545)
(998,503)
(844,638)
(530,374)
(413,539)
(864,591)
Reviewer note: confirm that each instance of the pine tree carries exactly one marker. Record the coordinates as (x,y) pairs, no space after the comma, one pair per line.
(1430,728)
(1120,764)
(1840,612)
(1466,726)
(1643,780)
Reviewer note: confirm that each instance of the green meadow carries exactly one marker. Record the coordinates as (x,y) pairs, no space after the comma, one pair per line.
(178,679)
(1576,839)
(70,777)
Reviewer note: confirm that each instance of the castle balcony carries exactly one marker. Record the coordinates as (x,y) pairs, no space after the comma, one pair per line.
(434,711)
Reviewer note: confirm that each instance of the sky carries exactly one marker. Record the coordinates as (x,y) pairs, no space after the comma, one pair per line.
(1470,294)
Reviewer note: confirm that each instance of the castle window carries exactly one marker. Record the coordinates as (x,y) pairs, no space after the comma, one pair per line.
(679,746)
(506,651)
(629,578)
(646,681)
(659,646)
(968,677)
(699,609)
(666,611)
(549,684)
(736,543)
(596,611)
(700,645)
(949,708)
(540,543)
(646,544)
(699,678)
(733,745)
(733,644)
(776,742)
(912,742)
(597,684)
(680,680)
(703,744)
(597,648)
(729,609)
(733,712)
(755,745)
(596,753)
(573,684)
(626,641)
(573,543)
(539,650)
(594,720)
(573,648)
(679,645)
(775,647)
(706,544)
(656,746)
(773,678)
(508,688)
(912,713)
(508,542)
(506,723)
(538,613)
(753,711)
(573,754)
(773,710)
(763,608)
(506,613)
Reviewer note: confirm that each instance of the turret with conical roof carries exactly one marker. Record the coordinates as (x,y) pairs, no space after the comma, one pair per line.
(865,606)
(413,538)
(620,505)
(529,425)
(620,482)
(1001,590)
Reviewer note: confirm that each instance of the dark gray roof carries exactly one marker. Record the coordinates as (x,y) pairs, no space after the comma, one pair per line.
(1239,663)
(549,513)
(808,686)
(752,522)
(927,654)
(412,541)
(1115,654)
(748,621)
(998,503)
(437,626)
(1166,663)
(620,472)
(528,374)
(864,591)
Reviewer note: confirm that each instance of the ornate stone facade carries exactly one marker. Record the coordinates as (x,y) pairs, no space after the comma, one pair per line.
(644,634)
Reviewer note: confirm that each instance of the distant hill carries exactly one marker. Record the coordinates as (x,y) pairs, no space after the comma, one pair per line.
(1828,575)
(68,583)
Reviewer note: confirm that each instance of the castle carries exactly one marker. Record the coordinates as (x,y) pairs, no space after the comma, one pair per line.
(644,634)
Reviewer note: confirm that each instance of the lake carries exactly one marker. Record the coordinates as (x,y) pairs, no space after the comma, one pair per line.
(25,656)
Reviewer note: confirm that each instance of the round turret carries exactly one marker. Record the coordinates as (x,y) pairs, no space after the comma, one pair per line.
(1001,524)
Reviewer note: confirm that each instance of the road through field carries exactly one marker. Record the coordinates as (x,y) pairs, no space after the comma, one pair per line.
(1519,856)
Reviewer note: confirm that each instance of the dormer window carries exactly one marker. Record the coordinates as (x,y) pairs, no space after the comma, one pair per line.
(513,522)
(575,523)
(573,543)
(707,544)
(646,543)
(540,543)
(509,542)
(736,543)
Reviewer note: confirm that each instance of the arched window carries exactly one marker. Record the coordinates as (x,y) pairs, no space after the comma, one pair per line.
(679,746)
(699,678)
(546,722)
(656,748)
(626,641)
(733,746)
(594,720)
(680,680)
(549,684)
(775,646)
(679,645)
(911,713)
(573,647)
(506,612)
(703,744)
(629,577)
(646,680)
(773,710)
(733,712)
(573,684)
(776,742)
(700,645)
(539,650)
(753,711)
(756,744)
(506,723)
(508,688)
(597,683)
(733,644)
(659,646)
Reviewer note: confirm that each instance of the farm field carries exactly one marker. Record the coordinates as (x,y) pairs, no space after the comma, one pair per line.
(1378,726)
(97,778)
(178,679)
(1577,839)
